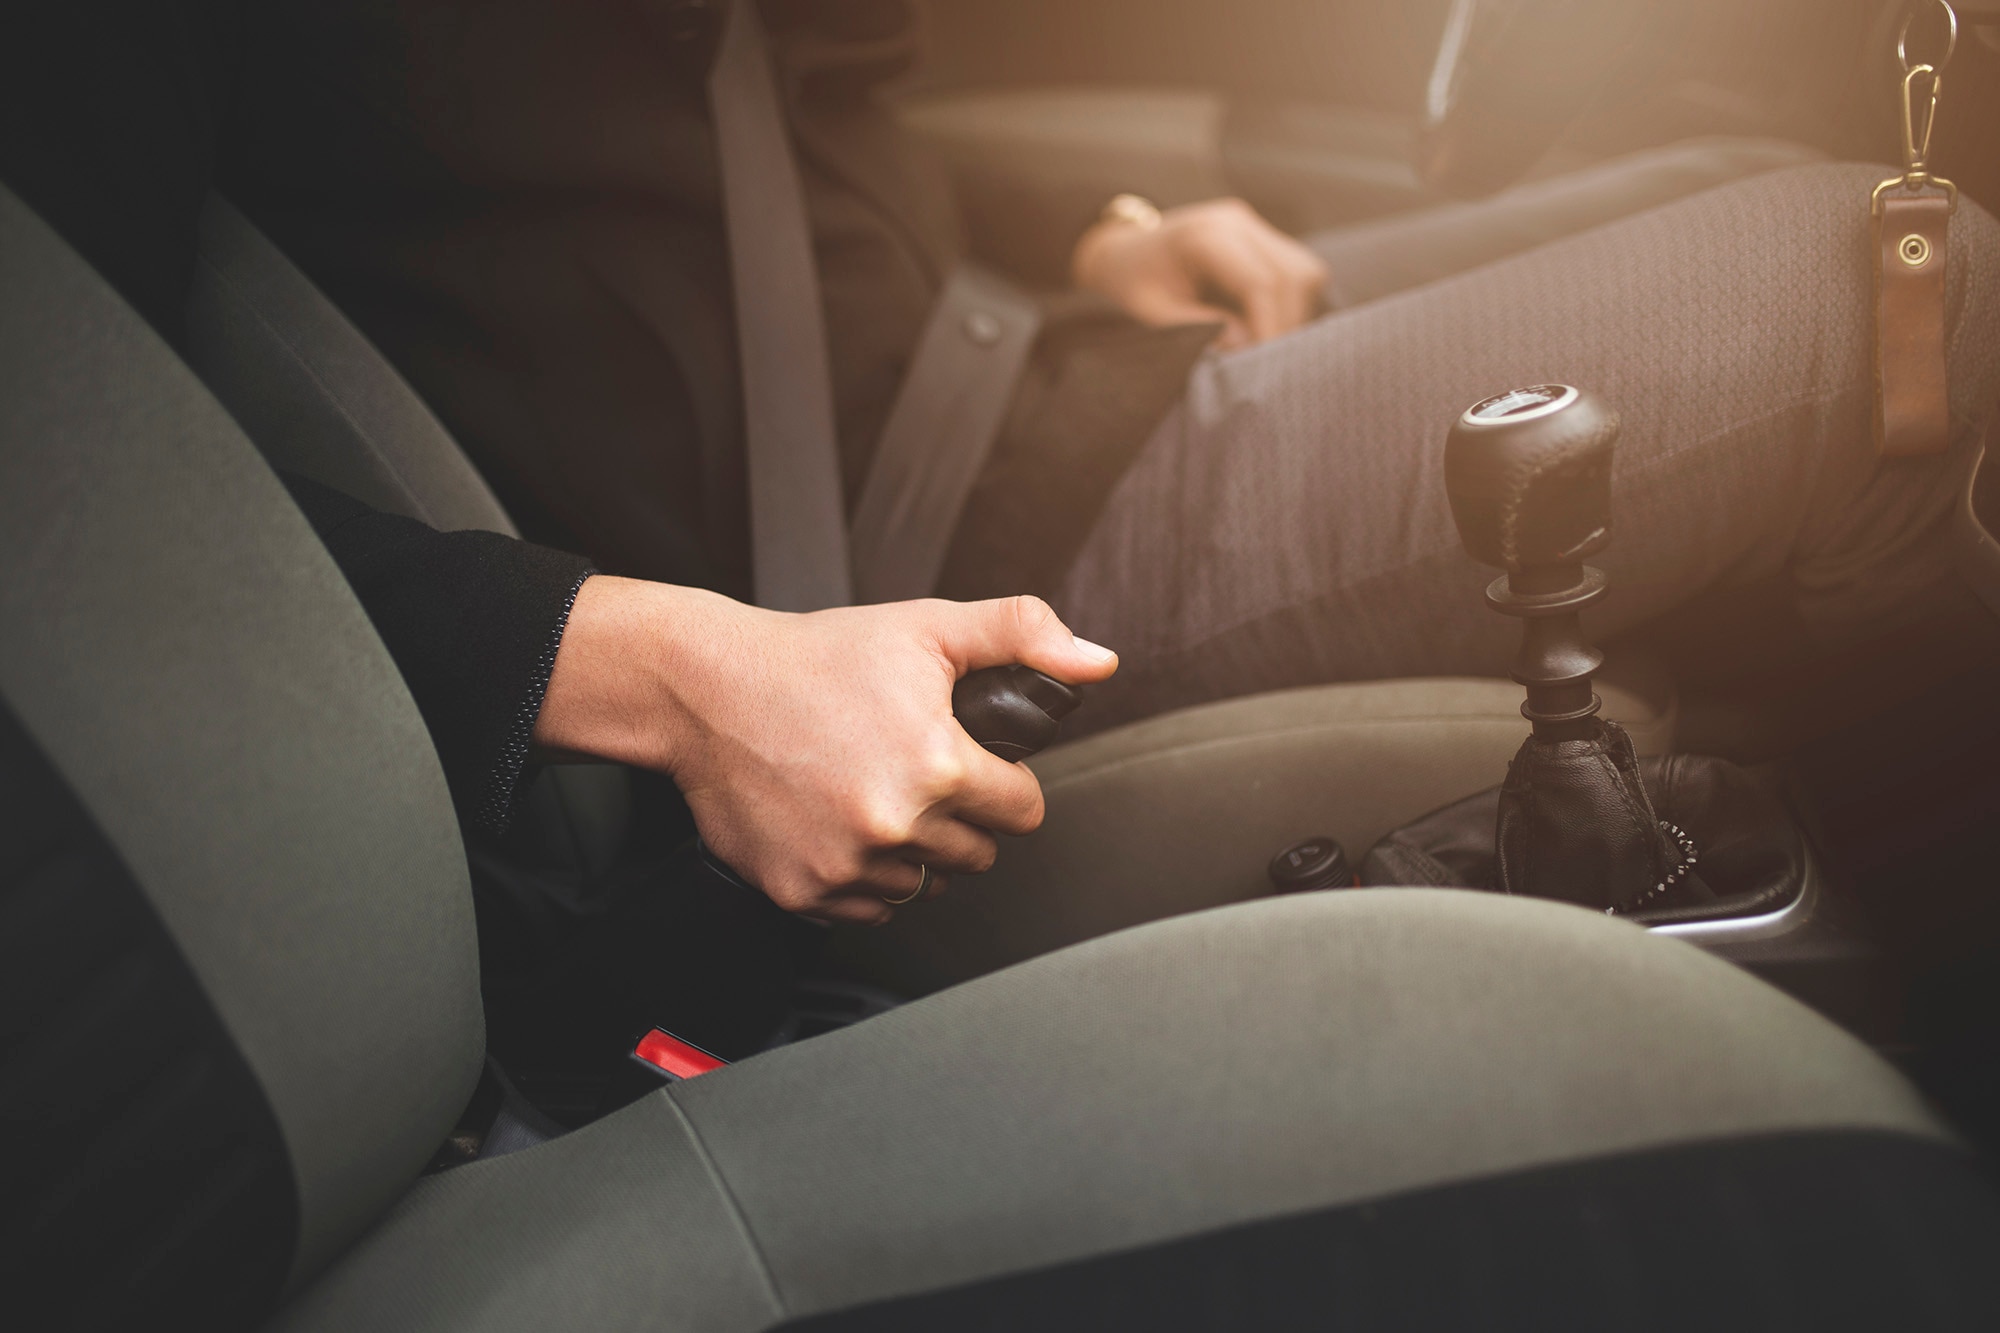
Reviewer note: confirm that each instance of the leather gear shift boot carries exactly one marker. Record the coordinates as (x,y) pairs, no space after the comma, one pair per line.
(1752,857)
(1575,823)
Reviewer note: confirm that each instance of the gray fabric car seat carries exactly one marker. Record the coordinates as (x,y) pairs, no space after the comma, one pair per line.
(185,654)
(186,661)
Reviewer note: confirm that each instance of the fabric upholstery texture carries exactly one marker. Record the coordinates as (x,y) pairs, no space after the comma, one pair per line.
(621,1225)
(1283,521)
(179,643)
(1163,1082)
(143,1181)
(1283,1055)
(1801,1232)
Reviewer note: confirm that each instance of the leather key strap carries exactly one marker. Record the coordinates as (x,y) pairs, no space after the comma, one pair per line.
(1912,411)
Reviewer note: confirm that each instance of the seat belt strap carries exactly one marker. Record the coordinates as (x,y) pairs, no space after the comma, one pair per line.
(798,532)
(948,411)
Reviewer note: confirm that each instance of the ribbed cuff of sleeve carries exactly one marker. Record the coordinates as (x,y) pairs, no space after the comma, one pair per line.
(506,784)
(473,621)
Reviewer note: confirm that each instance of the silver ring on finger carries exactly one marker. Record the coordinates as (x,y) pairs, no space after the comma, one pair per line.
(923,883)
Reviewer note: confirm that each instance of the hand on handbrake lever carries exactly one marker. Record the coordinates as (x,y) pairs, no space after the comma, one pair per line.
(818,752)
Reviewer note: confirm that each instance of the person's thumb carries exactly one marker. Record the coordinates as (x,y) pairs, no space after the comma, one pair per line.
(1025,630)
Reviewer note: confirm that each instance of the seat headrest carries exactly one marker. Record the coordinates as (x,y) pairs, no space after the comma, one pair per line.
(313,393)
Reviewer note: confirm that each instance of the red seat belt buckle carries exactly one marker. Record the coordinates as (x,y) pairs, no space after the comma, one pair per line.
(667,1056)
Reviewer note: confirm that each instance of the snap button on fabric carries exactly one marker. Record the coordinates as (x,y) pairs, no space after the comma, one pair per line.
(983,327)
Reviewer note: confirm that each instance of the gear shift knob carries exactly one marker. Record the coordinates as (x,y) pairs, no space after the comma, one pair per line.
(1529,477)
(1528,473)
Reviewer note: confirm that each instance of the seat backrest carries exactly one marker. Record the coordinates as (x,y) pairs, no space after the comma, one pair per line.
(180,647)
(317,397)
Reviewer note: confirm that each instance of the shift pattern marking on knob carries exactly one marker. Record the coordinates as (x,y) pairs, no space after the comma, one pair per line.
(1518,405)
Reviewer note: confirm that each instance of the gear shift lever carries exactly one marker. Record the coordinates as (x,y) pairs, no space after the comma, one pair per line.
(1529,477)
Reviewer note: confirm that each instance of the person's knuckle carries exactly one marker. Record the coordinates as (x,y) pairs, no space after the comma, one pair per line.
(880,821)
(831,866)
(943,768)
(1022,811)
(793,895)
(1032,615)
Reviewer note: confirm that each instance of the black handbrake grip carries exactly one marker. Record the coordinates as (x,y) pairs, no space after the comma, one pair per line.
(1014,711)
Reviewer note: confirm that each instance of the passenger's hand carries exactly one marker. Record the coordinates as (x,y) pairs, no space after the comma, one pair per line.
(1170,273)
(818,752)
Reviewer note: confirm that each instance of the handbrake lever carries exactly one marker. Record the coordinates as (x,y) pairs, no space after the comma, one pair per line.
(1013,711)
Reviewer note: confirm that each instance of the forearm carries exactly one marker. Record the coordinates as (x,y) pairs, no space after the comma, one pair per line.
(630,653)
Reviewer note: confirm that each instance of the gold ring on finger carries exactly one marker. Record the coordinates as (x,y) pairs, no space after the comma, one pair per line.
(923,882)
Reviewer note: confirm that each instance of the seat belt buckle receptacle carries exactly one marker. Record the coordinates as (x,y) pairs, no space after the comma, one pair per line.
(667,1057)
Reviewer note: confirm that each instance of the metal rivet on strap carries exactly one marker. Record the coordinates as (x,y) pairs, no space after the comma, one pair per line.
(1914,250)
(983,327)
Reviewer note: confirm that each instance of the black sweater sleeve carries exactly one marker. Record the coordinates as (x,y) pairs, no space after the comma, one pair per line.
(472,619)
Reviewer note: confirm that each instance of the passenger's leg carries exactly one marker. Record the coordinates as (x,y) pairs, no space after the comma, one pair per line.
(1209,1071)
(1288,525)
(1370,260)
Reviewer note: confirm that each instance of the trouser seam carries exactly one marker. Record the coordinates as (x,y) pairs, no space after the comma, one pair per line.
(779,1307)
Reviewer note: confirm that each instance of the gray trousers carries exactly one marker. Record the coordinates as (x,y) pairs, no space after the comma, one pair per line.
(1287,524)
